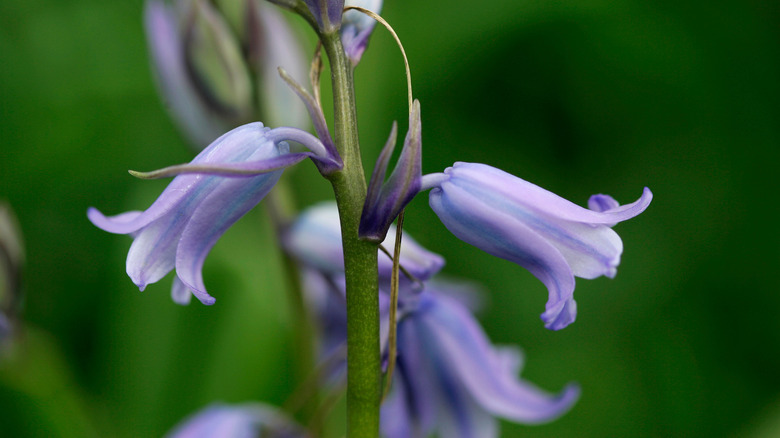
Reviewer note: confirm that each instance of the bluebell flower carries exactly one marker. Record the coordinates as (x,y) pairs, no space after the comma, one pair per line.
(356,28)
(235,172)
(315,239)
(513,219)
(450,380)
(248,420)
(215,74)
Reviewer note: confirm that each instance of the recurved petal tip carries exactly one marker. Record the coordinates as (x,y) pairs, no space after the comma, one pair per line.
(124,223)
(561,315)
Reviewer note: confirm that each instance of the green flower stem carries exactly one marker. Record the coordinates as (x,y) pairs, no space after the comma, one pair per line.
(360,257)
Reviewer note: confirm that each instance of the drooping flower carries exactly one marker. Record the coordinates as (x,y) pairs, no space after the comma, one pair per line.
(450,379)
(315,239)
(356,28)
(513,219)
(193,212)
(207,78)
(248,420)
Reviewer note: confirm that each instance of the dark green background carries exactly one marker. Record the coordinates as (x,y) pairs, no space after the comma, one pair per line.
(580,97)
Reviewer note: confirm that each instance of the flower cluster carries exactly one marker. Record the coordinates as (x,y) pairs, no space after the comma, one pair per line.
(218,71)
(450,378)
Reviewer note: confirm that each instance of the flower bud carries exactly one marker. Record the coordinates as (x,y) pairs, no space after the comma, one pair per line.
(216,64)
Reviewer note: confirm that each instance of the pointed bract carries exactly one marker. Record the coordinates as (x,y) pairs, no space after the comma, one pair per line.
(553,238)
(383,206)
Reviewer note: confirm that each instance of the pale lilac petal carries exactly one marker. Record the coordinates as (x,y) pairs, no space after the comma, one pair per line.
(417,260)
(469,294)
(458,413)
(395,417)
(519,191)
(235,145)
(472,422)
(249,420)
(356,28)
(415,369)
(182,225)
(560,315)
(315,239)
(602,203)
(508,237)
(152,254)
(218,211)
(591,250)
(487,375)
(123,223)
(180,293)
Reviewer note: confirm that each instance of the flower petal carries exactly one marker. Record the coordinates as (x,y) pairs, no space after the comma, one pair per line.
(152,254)
(356,28)
(488,375)
(218,211)
(519,191)
(239,421)
(506,236)
(315,239)
(180,293)
(591,250)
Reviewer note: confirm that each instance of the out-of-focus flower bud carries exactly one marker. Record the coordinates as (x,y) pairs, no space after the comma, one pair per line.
(356,27)
(11,263)
(216,64)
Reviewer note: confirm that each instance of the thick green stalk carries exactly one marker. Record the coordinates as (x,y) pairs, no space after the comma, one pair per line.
(360,257)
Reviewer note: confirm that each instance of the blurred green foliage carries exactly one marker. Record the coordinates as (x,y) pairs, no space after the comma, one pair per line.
(580,97)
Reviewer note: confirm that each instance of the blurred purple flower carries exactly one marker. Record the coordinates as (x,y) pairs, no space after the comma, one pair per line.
(211,83)
(452,381)
(249,420)
(518,221)
(449,378)
(193,212)
(356,28)
(315,239)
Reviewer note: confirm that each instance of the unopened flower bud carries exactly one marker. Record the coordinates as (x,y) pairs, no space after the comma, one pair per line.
(216,64)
